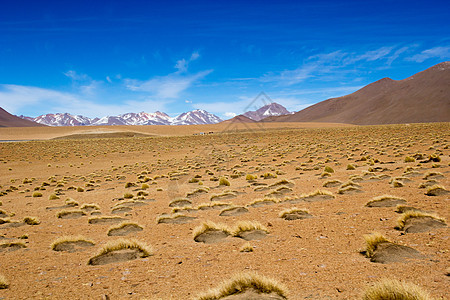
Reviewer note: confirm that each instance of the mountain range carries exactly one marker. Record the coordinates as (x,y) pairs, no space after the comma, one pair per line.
(195,117)
(423,97)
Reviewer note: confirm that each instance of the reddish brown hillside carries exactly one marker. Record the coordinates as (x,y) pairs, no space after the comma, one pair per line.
(239,119)
(9,120)
(423,97)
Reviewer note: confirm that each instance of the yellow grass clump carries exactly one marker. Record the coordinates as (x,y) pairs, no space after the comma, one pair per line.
(410,214)
(328,169)
(268,175)
(372,241)
(242,282)
(350,167)
(37,194)
(383,197)
(66,212)
(224,181)
(409,159)
(435,190)
(31,221)
(128,195)
(69,239)
(4,284)
(124,244)
(242,226)
(93,206)
(317,193)
(210,226)
(250,177)
(292,210)
(247,247)
(165,217)
(392,289)
(53,197)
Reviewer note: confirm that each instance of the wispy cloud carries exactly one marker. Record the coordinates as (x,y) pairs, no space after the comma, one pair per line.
(76,76)
(436,52)
(17,99)
(171,85)
(332,66)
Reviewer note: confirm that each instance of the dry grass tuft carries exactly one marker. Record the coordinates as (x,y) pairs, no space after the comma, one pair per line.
(69,239)
(292,210)
(242,282)
(210,226)
(409,159)
(347,189)
(435,190)
(124,244)
(128,195)
(372,241)
(391,289)
(242,226)
(4,284)
(331,182)
(37,194)
(66,212)
(247,247)
(328,169)
(317,193)
(53,197)
(382,198)
(250,177)
(123,225)
(90,206)
(410,214)
(31,221)
(224,181)
(165,217)
(71,202)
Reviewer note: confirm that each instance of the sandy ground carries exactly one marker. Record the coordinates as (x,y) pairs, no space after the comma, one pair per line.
(316,258)
(43,133)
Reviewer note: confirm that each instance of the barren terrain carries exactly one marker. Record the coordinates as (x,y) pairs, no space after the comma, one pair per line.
(169,182)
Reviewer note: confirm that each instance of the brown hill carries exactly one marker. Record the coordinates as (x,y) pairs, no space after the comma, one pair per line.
(239,119)
(9,120)
(423,97)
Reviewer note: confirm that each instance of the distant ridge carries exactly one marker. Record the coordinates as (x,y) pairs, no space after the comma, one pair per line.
(239,119)
(423,97)
(195,117)
(9,120)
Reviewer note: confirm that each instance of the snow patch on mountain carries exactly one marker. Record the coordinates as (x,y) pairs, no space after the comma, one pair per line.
(195,117)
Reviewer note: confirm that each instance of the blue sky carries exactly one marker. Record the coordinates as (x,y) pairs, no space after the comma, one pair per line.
(99,58)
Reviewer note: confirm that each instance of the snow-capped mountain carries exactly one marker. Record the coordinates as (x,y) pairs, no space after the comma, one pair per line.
(61,120)
(194,117)
(272,109)
(143,118)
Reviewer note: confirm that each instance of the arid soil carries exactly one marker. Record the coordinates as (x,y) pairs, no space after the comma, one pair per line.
(137,178)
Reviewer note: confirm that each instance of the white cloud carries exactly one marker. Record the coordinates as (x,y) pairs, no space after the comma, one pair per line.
(436,52)
(194,56)
(166,87)
(75,76)
(33,101)
(230,114)
(171,85)
(182,64)
(331,66)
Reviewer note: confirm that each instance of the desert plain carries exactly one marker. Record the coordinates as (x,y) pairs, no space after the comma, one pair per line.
(312,192)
